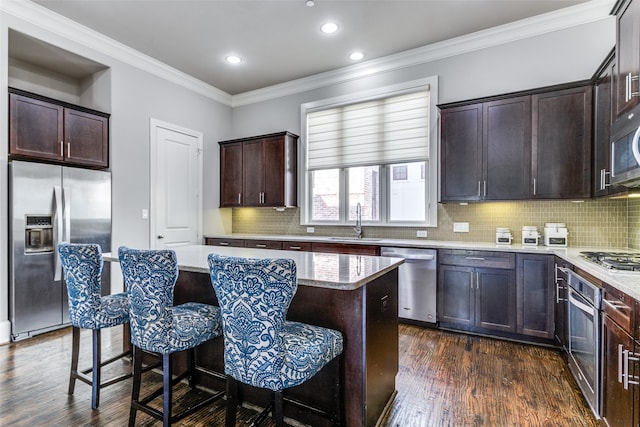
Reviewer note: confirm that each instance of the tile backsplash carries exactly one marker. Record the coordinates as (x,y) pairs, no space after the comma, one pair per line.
(605,223)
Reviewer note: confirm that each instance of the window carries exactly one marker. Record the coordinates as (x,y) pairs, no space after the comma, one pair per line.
(373,151)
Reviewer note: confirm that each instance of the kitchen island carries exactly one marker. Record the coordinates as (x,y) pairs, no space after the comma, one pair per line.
(354,294)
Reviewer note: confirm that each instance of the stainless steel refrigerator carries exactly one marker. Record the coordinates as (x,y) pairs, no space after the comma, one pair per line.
(49,204)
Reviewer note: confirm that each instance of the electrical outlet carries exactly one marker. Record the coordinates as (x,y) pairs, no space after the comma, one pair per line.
(311,230)
(460,227)
(145,214)
(421,233)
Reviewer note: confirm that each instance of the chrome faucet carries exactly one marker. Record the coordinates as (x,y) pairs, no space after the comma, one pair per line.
(358,227)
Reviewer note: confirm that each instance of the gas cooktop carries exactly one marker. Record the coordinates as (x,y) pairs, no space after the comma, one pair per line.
(615,261)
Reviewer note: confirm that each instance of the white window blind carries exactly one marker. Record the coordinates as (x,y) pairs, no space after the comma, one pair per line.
(381,131)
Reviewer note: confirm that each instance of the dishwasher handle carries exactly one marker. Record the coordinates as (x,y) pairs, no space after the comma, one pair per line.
(409,257)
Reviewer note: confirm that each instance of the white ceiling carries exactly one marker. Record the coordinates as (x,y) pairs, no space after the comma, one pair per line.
(280,40)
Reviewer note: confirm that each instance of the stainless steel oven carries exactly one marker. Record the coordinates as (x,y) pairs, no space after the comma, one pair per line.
(583,315)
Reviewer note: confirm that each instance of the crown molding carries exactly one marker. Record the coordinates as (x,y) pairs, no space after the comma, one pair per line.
(583,13)
(59,25)
(45,19)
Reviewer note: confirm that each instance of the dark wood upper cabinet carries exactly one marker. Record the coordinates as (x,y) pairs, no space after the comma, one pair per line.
(461,144)
(526,145)
(259,171)
(43,129)
(561,143)
(627,82)
(507,148)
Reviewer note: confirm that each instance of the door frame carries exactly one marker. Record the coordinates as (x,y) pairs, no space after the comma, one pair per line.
(154,124)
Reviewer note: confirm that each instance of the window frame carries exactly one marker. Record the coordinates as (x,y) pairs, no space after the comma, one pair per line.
(431,165)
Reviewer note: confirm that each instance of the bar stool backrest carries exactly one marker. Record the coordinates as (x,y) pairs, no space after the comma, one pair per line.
(149,277)
(254,296)
(82,267)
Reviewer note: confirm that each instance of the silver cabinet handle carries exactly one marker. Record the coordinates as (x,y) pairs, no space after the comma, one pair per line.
(626,375)
(68,149)
(484,183)
(475,258)
(478,188)
(295,248)
(61,148)
(239,198)
(534,187)
(477,280)
(223,243)
(261,246)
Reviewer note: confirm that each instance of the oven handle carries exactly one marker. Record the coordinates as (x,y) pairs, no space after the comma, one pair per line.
(634,145)
(581,305)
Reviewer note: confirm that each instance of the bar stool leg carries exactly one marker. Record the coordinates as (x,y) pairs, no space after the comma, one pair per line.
(278,411)
(232,402)
(167,388)
(75,352)
(97,358)
(137,378)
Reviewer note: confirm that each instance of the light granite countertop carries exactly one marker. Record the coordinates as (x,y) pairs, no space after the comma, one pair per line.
(333,271)
(624,281)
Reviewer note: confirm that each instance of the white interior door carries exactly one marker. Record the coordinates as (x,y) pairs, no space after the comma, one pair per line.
(176,186)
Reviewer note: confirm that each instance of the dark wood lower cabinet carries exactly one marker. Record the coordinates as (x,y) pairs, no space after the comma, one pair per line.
(617,402)
(476,298)
(536,292)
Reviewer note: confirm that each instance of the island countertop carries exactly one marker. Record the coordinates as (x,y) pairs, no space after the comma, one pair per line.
(324,270)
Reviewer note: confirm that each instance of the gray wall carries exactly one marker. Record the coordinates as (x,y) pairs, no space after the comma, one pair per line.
(135,96)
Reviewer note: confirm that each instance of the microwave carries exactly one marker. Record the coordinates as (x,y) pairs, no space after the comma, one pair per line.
(625,155)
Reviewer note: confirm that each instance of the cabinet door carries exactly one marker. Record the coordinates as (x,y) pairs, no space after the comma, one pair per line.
(561,144)
(536,291)
(507,149)
(36,128)
(495,299)
(231,175)
(627,56)
(86,138)
(456,295)
(273,158)
(617,403)
(253,172)
(461,142)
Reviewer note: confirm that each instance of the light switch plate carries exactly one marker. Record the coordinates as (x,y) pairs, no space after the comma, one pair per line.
(421,233)
(460,227)
(145,214)
(311,230)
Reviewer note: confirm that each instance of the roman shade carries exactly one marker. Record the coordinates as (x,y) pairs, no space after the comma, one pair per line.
(382,131)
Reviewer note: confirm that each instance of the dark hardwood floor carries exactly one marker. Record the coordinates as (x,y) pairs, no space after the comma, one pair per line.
(445,379)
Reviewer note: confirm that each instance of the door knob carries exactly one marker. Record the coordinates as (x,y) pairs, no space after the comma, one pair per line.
(160,236)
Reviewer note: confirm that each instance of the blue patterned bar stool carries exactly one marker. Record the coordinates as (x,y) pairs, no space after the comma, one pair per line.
(262,348)
(82,266)
(159,327)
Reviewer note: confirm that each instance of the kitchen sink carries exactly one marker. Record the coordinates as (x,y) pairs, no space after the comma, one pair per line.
(363,239)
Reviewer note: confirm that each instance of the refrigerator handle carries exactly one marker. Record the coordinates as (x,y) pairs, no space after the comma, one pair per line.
(57,192)
(67,213)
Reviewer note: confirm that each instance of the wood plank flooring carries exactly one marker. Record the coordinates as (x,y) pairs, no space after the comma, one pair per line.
(445,379)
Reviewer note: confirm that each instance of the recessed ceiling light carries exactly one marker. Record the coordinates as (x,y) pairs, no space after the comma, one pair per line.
(356,56)
(310,3)
(329,28)
(233,59)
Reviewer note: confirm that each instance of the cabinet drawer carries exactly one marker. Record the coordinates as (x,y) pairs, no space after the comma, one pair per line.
(619,306)
(343,248)
(296,246)
(478,258)
(263,244)
(235,243)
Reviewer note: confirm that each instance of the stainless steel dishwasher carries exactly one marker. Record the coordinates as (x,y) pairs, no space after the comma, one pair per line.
(416,283)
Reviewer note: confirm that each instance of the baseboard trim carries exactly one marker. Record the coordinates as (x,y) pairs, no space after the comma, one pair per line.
(5,332)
